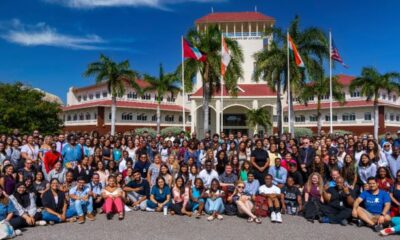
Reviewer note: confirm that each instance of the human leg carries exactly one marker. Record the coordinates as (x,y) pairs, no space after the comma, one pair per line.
(365,216)
(46,216)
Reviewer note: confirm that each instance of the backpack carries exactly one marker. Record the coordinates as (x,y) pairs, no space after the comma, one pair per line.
(6,230)
(261,206)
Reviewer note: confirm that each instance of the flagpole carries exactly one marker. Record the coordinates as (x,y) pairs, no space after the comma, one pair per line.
(330,84)
(288,84)
(222,89)
(183,88)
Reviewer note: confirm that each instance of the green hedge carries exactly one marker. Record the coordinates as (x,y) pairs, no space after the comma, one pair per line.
(300,132)
(140,131)
(175,131)
(341,132)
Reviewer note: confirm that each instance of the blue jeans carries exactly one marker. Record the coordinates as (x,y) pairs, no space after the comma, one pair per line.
(396,223)
(216,205)
(79,207)
(51,217)
(152,205)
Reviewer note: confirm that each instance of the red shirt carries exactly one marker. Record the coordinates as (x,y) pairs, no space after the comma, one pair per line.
(49,160)
(385,184)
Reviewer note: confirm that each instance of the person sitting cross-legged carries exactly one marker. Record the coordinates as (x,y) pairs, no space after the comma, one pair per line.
(55,205)
(81,201)
(138,191)
(338,202)
(273,195)
(376,206)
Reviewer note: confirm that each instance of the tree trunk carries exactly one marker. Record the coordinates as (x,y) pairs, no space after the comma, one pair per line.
(206,108)
(113,113)
(158,118)
(278,107)
(376,119)
(319,124)
(292,116)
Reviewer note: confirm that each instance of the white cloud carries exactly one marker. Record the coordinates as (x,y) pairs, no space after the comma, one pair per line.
(41,34)
(120,3)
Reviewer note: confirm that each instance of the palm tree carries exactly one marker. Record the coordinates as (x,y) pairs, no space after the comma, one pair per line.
(209,43)
(320,88)
(165,83)
(115,75)
(256,117)
(269,66)
(313,47)
(370,83)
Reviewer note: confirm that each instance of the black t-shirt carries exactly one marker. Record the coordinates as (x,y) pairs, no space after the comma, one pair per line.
(291,194)
(338,198)
(260,156)
(143,184)
(297,177)
(332,151)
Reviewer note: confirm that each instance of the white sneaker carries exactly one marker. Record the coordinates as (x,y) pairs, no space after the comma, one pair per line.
(278,217)
(41,223)
(273,217)
(18,232)
(220,217)
(150,209)
(210,218)
(127,209)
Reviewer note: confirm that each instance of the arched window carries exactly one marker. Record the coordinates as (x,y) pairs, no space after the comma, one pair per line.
(81,117)
(87,116)
(69,117)
(75,117)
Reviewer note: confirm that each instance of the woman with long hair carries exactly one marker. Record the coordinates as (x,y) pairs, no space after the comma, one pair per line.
(160,196)
(7,211)
(164,172)
(318,166)
(154,170)
(349,171)
(242,154)
(103,173)
(366,169)
(214,203)
(180,196)
(313,199)
(375,154)
(385,182)
(244,170)
(9,180)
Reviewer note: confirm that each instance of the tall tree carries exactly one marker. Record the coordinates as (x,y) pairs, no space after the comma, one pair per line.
(164,84)
(258,117)
(209,43)
(116,75)
(24,108)
(312,44)
(319,88)
(371,83)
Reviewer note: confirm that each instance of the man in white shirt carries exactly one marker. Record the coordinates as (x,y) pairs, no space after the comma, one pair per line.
(273,194)
(208,174)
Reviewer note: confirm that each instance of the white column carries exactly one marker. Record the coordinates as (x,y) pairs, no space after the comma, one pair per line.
(242,29)
(193,112)
(257,28)
(217,116)
(226,28)
(249,29)
(234,29)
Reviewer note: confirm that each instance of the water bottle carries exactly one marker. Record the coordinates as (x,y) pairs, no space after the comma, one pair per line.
(165,210)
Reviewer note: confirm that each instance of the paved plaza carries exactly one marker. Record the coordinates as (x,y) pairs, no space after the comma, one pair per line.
(155,226)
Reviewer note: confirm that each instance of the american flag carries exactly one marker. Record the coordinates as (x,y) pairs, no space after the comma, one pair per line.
(336,56)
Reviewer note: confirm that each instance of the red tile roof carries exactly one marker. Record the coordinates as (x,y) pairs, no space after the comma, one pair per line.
(140,82)
(349,104)
(249,90)
(126,104)
(345,80)
(234,17)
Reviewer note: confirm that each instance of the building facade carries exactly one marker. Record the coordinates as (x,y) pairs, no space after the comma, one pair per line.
(88,108)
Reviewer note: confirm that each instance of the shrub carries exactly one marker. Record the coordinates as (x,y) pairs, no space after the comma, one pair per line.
(301,132)
(341,132)
(175,131)
(140,131)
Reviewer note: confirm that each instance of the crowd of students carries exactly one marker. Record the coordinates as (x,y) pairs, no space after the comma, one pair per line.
(76,177)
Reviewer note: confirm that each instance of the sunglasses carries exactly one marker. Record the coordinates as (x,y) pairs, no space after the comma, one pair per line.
(240,187)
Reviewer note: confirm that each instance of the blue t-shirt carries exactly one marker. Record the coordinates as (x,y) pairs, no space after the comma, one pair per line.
(375,203)
(6,209)
(160,197)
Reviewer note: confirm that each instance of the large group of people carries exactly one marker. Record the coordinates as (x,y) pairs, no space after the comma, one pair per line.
(77,177)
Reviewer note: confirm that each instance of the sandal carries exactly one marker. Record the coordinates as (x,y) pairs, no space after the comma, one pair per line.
(250,219)
(121,217)
(257,220)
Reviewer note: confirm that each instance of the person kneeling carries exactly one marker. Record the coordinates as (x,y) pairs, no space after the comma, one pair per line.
(243,202)
(376,206)
(112,196)
(81,201)
(55,205)
(273,194)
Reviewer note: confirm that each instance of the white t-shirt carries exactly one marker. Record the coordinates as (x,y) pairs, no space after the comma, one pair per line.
(32,152)
(269,190)
(208,177)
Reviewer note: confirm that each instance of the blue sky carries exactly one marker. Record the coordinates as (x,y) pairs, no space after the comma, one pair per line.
(48,43)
